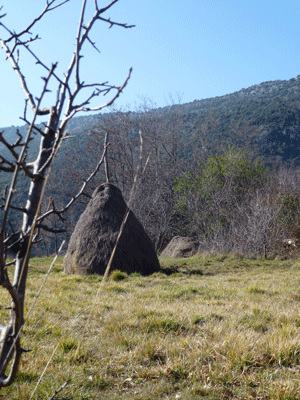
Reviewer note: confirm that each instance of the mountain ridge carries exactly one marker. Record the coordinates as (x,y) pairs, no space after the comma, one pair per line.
(264,118)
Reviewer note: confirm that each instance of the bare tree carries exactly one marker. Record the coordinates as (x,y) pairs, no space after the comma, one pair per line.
(160,131)
(66,103)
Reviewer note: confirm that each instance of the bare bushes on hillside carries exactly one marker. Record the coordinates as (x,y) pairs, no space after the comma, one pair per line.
(233,203)
(228,202)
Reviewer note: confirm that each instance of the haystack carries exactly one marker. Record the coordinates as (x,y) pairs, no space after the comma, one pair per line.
(181,247)
(95,236)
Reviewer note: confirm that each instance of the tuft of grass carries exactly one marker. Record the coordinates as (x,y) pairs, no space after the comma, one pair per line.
(118,276)
(117,289)
(256,290)
(198,320)
(290,356)
(68,344)
(162,325)
(257,320)
(185,292)
(176,373)
(27,377)
(96,382)
(135,275)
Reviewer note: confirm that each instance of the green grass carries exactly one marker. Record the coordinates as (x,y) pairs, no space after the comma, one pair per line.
(209,327)
(118,276)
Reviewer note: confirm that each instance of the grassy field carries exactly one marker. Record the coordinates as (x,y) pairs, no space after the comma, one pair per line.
(207,327)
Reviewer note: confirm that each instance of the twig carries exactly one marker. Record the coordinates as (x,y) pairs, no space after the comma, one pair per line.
(79,193)
(109,103)
(60,389)
(45,369)
(46,9)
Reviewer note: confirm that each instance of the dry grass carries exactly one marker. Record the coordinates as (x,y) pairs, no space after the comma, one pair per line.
(210,327)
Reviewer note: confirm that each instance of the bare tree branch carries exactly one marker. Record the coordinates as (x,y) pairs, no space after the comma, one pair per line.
(27,30)
(78,47)
(112,23)
(79,193)
(109,103)
(19,73)
(93,44)
(48,229)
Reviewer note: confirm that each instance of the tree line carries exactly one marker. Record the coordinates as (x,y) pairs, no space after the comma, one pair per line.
(229,200)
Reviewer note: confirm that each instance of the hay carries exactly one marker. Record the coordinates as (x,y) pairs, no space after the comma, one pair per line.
(95,235)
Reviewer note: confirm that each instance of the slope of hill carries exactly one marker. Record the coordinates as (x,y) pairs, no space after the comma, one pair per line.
(264,118)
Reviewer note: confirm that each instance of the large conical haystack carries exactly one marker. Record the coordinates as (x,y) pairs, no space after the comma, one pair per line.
(95,236)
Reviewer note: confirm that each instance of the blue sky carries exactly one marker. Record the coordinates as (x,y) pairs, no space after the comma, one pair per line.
(194,49)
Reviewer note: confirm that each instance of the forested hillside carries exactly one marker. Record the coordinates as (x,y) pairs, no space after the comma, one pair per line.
(263,117)
(261,121)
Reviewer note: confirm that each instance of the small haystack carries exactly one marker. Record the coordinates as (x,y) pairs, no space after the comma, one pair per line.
(181,247)
(95,236)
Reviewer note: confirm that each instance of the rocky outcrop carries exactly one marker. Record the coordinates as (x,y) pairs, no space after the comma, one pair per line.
(181,247)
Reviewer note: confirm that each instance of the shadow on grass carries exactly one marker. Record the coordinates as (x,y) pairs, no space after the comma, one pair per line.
(213,265)
(180,269)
